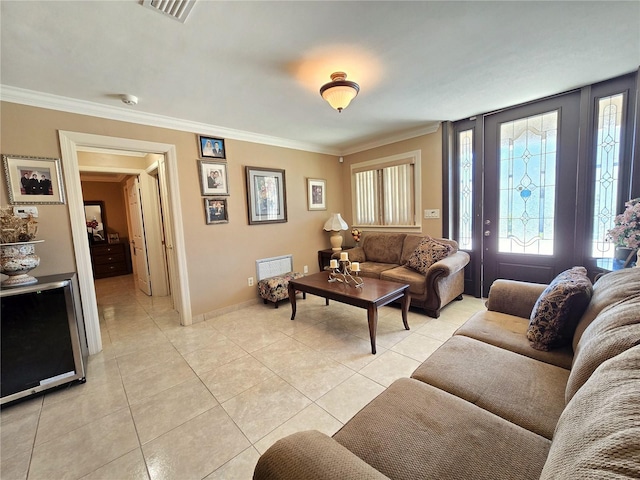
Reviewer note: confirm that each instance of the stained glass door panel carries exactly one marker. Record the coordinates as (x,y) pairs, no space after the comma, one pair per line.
(530,191)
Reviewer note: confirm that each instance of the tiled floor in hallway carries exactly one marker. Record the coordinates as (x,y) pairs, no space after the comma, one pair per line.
(164,401)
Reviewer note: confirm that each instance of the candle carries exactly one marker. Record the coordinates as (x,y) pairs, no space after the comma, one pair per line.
(355,266)
(344,256)
(333,263)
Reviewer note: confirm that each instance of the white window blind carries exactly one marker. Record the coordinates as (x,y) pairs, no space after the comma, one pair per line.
(386,191)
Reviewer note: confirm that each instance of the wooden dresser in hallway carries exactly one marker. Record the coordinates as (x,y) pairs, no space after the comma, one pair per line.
(110,260)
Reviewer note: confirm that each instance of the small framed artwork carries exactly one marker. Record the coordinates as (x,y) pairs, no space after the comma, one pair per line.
(316,194)
(113,237)
(215,210)
(213,178)
(266,195)
(211,147)
(33,180)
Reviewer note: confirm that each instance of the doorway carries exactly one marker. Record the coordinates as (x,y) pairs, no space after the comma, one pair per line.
(69,143)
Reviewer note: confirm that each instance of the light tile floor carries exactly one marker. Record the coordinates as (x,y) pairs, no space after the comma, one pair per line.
(164,401)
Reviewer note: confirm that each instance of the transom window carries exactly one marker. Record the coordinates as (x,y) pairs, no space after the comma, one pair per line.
(386,191)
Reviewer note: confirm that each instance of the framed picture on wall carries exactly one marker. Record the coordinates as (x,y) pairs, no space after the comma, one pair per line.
(266,195)
(216,210)
(211,147)
(316,194)
(213,178)
(33,180)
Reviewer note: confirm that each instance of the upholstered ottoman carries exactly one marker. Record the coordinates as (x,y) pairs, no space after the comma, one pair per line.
(274,289)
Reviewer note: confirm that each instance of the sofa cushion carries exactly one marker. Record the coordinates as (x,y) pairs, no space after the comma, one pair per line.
(412,240)
(510,332)
(614,331)
(609,289)
(374,269)
(598,434)
(519,389)
(383,247)
(428,252)
(416,281)
(413,430)
(557,311)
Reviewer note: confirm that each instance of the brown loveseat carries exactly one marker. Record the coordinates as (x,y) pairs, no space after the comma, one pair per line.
(384,255)
(486,405)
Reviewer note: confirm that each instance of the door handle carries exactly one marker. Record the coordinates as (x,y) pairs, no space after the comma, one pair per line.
(487,233)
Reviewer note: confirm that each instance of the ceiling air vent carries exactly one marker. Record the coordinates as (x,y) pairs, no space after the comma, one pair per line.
(176,9)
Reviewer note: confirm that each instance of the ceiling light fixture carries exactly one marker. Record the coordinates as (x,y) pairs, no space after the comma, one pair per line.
(339,91)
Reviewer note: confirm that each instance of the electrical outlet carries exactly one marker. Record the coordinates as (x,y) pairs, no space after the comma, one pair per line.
(250,281)
(305,269)
(432,213)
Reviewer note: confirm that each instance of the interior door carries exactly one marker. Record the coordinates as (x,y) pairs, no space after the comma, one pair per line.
(139,242)
(529,220)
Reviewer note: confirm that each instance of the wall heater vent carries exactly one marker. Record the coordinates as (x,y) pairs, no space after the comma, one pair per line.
(270,267)
(176,9)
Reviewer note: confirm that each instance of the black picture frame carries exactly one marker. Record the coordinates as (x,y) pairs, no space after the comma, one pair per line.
(211,147)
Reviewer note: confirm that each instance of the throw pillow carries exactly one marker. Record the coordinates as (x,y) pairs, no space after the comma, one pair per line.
(428,252)
(557,311)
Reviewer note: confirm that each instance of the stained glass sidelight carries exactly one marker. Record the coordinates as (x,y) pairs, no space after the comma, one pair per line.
(607,156)
(528,149)
(465,188)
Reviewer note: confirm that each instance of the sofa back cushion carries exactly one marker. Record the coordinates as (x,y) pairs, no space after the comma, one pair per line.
(557,311)
(609,289)
(428,252)
(383,247)
(598,435)
(614,331)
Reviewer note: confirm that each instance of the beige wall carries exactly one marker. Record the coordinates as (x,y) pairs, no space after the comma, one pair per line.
(430,147)
(220,257)
(112,194)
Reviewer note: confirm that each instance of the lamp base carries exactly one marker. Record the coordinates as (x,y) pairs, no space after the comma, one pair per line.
(336,241)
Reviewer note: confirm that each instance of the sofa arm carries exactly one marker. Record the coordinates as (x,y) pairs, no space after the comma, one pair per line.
(312,455)
(449,265)
(513,297)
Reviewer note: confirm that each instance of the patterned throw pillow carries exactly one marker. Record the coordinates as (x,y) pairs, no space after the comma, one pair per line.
(557,311)
(428,252)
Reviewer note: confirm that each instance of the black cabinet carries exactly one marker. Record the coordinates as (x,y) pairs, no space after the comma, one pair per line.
(43,338)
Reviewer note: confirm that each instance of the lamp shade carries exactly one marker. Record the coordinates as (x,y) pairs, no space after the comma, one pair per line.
(339,91)
(335,223)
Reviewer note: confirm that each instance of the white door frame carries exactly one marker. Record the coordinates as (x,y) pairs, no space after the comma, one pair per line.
(69,141)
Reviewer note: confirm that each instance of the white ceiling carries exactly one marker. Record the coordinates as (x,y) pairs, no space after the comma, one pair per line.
(252,70)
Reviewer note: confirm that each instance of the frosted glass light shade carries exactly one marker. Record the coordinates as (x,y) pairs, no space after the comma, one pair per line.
(340,91)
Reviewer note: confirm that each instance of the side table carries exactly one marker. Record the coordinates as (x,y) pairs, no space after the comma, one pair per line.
(325,255)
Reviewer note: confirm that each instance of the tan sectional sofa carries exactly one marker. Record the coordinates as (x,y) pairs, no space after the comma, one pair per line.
(383,256)
(488,406)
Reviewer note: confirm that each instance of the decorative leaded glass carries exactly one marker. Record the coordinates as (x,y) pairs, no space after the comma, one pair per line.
(605,186)
(527,184)
(465,188)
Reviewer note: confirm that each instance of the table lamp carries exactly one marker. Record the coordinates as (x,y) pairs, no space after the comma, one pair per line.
(334,225)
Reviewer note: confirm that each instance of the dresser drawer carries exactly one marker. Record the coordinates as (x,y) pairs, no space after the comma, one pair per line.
(110,269)
(107,249)
(103,259)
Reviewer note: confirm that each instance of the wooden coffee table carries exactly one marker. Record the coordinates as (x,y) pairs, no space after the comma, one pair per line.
(373,294)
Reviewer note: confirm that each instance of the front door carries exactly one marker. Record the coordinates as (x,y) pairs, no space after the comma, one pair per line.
(529,219)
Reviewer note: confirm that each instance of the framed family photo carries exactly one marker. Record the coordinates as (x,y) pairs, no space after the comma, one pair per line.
(33,180)
(211,147)
(216,210)
(214,179)
(266,195)
(316,194)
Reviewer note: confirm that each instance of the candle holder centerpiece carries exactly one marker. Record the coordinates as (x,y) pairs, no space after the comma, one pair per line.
(345,271)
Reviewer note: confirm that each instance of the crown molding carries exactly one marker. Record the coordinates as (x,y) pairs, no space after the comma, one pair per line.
(82,107)
(431,127)
(71,105)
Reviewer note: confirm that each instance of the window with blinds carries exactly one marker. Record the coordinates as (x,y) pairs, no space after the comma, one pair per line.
(386,191)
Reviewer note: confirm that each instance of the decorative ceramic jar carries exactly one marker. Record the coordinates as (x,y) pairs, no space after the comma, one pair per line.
(17,260)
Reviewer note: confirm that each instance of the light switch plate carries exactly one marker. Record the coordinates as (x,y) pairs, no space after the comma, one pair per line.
(432,213)
(24,212)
